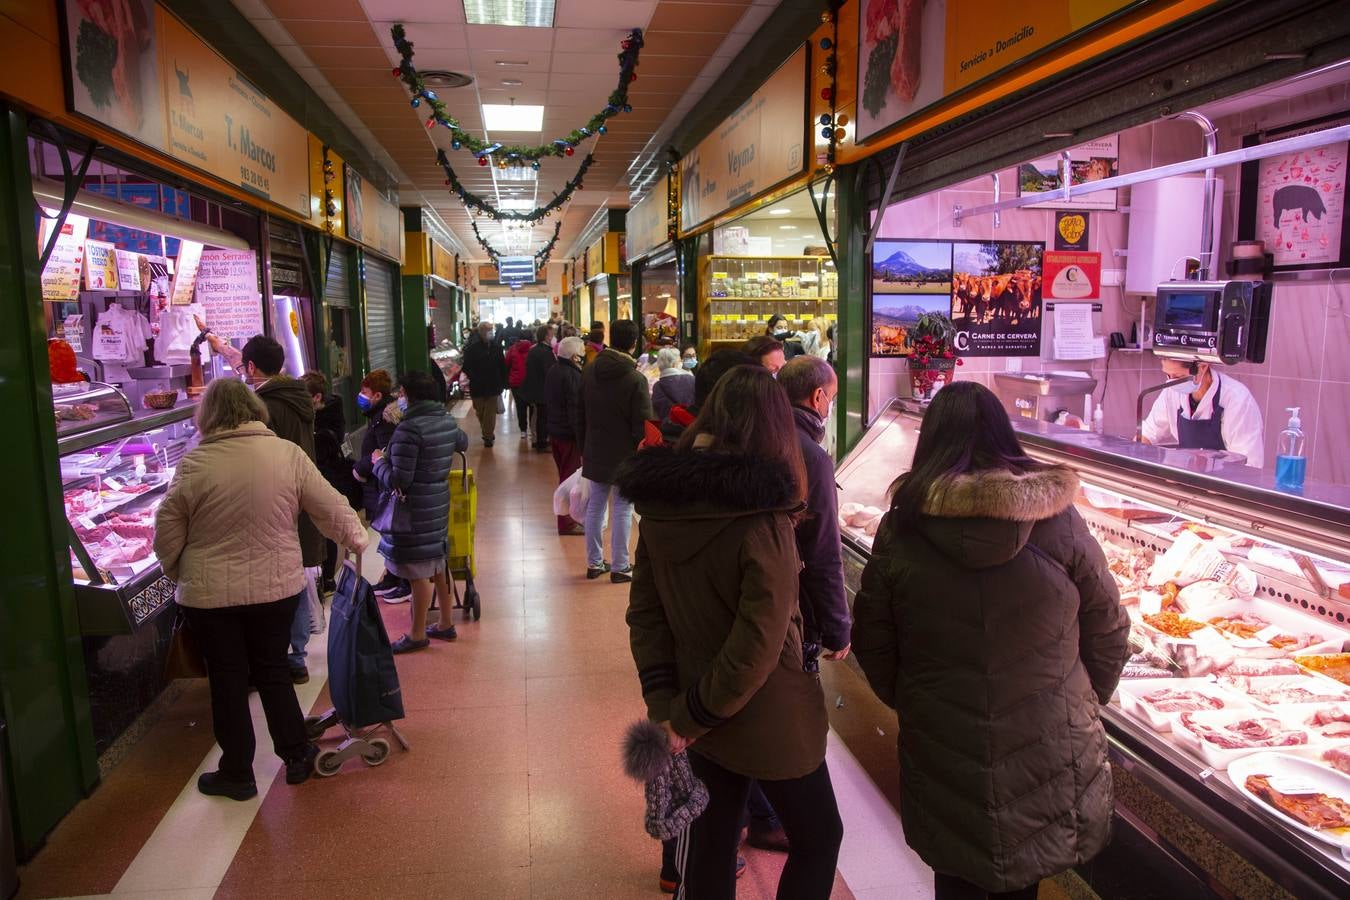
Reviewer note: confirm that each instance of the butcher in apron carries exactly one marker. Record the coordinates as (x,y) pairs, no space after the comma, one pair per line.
(1211,411)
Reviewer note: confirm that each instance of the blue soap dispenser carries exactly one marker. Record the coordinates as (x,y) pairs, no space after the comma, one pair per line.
(1290,463)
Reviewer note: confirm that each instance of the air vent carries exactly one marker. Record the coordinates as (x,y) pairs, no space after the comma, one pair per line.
(440,78)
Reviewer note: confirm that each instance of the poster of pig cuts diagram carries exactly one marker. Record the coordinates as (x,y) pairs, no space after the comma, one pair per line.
(1300,206)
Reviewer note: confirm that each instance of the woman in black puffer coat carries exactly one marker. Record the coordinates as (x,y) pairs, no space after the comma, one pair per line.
(417,463)
(988,620)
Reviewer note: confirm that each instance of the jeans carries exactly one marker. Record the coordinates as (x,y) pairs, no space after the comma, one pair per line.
(568,459)
(949,887)
(238,642)
(522,410)
(762,816)
(300,628)
(810,817)
(485,408)
(620,526)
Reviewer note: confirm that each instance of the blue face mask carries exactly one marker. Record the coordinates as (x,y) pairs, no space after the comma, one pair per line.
(403,403)
(363,402)
(690,363)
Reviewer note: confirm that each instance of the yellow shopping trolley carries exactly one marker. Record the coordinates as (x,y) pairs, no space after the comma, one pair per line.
(459,537)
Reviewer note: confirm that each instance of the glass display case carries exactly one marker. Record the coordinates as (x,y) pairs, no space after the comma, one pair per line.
(738,295)
(113,480)
(85,406)
(1238,596)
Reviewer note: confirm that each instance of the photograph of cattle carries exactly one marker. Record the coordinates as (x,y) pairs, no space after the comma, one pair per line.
(912,267)
(893,315)
(996,297)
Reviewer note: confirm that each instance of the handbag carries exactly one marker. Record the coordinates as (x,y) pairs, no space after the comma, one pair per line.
(184,658)
(392,514)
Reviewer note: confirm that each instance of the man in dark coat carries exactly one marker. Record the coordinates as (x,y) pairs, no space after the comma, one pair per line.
(811,387)
(615,406)
(290,415)
(417,463)
(485,367)
(562,397)
(537,363)
(330,430)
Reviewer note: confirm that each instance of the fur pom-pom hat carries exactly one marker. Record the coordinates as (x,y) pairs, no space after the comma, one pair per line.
(675,797)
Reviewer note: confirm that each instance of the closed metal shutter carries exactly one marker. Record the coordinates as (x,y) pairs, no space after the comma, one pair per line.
(380,322)
(337,285)
(443,315)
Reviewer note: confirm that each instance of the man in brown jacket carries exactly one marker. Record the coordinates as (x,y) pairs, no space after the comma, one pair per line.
(290,415)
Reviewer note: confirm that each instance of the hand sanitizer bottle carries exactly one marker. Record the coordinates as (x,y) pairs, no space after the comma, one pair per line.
(1290,463)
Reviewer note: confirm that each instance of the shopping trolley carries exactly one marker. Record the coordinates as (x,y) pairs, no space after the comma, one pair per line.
(459,537)
(362,679)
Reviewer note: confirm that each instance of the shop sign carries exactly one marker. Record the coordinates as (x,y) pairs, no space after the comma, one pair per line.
(145,74)
(595,259)
(1071,231)
(131,275)
(487,274)
(100,267)
(761,145)
(1072,275)
(912,54)
(61,276)
(442,263)
(1088,162)
(648,222)
(185,273)
(372,219)
(227,286)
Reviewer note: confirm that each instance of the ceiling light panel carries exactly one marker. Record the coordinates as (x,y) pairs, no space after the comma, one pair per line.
(780,212)
(526,13)
(508,117)
(515,204)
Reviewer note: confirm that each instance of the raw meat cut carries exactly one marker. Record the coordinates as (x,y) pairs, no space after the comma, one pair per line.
(1318,811)
(1169,700)
(1254,731)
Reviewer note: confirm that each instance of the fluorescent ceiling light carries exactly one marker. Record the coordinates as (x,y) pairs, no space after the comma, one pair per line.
(511,63)
(780,212)
(516,204)
(788,227)
(512,117)
(531,13)
(517,173)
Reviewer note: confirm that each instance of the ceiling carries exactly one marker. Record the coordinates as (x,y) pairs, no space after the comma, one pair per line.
(343,49)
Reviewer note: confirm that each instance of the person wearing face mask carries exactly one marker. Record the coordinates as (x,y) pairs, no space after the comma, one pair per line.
(811,387)
(562,395)
(767,351)
(675,386)
(376,402)
(689,358)
(485,367)
(1208,412)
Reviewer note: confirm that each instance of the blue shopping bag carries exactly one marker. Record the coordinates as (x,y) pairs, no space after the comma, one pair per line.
(362,676)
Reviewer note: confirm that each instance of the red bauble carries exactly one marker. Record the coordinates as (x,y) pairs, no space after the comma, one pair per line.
(397,71)
(632,77)
(431,123)
(827,94)
(482,161)
(569,151)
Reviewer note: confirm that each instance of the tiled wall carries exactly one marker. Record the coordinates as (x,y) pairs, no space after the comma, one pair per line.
(1308,357)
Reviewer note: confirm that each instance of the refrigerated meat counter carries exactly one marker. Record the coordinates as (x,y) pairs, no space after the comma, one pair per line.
(1230,733)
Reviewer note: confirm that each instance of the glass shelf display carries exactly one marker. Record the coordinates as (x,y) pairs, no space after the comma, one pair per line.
(738,295)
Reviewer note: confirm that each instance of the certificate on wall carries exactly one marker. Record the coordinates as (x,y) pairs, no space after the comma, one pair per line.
(1295,203)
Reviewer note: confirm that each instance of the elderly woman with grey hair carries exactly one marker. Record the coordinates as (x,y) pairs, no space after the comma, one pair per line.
(675,386)
(227,535)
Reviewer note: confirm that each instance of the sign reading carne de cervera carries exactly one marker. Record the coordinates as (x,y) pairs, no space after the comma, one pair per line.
(760,145)
(221,123)
(913,54)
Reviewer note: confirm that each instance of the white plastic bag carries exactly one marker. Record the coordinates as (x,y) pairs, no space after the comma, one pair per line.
(581,495)
(562,497)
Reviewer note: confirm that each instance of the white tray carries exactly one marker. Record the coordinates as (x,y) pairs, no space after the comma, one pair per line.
(1334,690)
(1133,692)
(1282,616)
(1324,778)
(1221,757)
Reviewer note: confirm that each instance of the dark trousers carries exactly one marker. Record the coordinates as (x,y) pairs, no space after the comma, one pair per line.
(567,458)
(949,887)
(330,561)
(807,809)
(522,410)
(239,641)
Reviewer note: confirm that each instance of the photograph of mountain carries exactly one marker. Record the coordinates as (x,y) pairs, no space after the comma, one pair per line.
(894,315)
(912,267)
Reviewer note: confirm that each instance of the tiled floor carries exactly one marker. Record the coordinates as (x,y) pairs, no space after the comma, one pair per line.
(512,788)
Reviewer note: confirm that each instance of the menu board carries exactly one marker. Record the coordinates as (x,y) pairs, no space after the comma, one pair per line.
(100,268)
(61,275)
(129,271)
(227,286)
(185,273)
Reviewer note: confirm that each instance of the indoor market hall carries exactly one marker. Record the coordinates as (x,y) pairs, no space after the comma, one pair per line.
(716,449)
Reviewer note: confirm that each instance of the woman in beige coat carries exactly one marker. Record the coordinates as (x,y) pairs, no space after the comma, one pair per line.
(227,535)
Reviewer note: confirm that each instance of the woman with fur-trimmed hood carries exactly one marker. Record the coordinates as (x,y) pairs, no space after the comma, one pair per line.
(988,620)
(716,631)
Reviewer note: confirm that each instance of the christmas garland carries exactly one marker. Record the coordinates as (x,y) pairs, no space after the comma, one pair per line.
(518,154)
(473,201)
(540,258)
